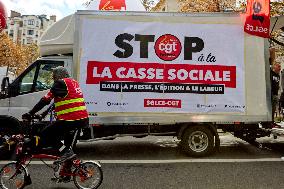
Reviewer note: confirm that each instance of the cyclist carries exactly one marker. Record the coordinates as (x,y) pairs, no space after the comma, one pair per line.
(70,110)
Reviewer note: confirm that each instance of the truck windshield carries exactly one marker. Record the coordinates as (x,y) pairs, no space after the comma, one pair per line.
(44,80)
(39,78)
(27,81)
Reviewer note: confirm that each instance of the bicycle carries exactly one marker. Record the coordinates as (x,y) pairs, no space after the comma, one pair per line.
(85,175)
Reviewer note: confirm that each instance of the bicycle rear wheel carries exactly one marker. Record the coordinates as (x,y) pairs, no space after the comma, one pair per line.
(88,175)
(12,176)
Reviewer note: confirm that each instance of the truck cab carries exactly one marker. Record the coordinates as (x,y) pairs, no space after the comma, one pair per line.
(19,96)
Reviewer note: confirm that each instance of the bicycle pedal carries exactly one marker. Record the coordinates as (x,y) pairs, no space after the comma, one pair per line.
(56,180)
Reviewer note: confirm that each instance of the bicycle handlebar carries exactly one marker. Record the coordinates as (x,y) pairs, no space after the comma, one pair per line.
(28,117)
(39,117)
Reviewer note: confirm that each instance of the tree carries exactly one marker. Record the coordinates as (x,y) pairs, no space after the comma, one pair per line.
(15,56)
(148,4)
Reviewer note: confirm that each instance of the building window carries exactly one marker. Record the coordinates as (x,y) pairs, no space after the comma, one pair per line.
(11,34)
(30,32)
(31,22)
(23,41)
(29,40)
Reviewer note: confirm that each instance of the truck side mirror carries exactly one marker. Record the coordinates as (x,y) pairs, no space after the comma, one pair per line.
(5,86)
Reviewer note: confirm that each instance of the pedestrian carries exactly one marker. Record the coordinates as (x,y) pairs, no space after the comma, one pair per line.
(275,80)
(281,106)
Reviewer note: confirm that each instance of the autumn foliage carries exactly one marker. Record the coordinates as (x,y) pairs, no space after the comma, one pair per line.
(17,57)
(277,6)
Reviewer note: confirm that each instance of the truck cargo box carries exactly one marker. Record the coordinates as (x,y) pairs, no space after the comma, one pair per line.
(171,68)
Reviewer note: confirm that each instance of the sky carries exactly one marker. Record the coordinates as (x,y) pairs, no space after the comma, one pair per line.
(60,8)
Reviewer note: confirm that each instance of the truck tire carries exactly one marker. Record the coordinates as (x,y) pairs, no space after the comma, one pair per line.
(197,141)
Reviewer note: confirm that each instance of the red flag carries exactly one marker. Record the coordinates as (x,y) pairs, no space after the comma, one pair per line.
(112,5)
(258,18)
(3,16)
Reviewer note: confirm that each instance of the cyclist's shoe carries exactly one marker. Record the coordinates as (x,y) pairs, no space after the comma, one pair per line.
(28,180)
(68,154)
(66,179)
(54,179)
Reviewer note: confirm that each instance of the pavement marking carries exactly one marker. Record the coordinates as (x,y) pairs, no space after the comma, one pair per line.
(167,161)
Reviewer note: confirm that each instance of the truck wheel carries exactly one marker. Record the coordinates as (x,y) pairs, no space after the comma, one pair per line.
(197,141)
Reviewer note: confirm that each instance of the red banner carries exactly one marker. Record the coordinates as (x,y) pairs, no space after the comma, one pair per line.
(112,5)
(154,72)
(258,18)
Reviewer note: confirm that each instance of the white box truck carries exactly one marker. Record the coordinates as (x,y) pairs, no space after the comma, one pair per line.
(164,74)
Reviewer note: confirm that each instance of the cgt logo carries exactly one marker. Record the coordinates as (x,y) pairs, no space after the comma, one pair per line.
(112,5)
(167,47)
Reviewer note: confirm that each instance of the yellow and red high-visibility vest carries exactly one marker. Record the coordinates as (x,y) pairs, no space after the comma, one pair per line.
(71,107)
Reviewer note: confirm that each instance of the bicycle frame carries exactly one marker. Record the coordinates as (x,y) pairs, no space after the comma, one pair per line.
(78,170)
(21,163)
(28,158)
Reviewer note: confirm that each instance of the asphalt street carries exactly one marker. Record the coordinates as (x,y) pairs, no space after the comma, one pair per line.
(157,162)
(233,175)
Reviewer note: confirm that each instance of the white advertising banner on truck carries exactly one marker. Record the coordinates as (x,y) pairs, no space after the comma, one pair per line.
(151,66)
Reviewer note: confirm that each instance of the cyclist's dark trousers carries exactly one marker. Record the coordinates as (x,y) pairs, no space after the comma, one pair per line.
(52,135)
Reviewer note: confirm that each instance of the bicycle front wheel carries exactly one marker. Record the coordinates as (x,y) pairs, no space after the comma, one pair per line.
(88,175)
(12,176)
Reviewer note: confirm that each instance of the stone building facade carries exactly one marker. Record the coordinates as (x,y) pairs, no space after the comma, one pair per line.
(27,29)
